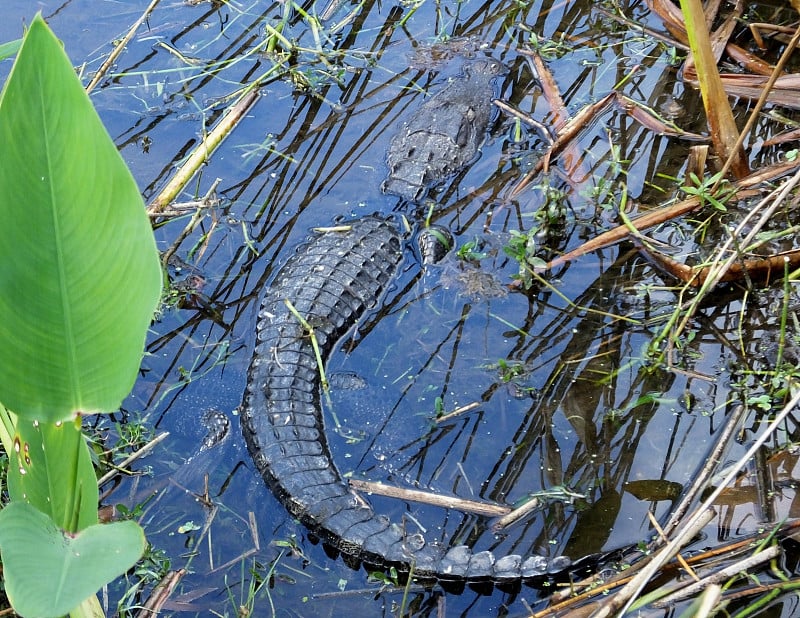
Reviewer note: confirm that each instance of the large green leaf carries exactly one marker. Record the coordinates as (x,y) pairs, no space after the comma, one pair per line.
(51,468)
(48,572)
(80,275)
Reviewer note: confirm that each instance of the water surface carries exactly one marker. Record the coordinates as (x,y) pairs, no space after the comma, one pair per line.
(566,396)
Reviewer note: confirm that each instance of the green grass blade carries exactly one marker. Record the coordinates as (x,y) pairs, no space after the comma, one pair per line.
(10,48)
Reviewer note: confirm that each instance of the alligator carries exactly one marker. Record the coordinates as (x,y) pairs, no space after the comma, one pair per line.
(444,134)
(331,283)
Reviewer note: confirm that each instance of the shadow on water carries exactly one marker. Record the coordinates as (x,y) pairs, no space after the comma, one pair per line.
(567,399)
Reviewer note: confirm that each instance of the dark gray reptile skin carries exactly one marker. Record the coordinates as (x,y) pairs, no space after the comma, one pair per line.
(331,282)
(444,134)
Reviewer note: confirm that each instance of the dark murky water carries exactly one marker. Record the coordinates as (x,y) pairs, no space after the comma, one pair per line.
(584,411)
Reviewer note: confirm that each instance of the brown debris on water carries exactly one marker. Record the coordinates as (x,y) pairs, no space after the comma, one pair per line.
(751,84)
(669,212)
(567,128)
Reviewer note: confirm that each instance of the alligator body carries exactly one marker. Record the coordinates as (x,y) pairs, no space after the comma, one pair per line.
(444,134)
(331,283)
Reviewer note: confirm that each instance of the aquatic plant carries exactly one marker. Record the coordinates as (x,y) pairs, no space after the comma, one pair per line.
(81,279)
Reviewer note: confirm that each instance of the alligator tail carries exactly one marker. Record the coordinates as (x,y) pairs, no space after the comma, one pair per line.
(331,283)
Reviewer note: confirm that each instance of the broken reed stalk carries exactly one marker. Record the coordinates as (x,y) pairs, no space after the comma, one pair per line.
(457,412)
(631,591)
(203,151)
(721,124)
(667,213)
(663,538)
(755,113)
(566,129)
(720,266)
(756,269)
(768,593)
(708,600)
(131,458)
(120,46)
(161,593)
(633,588)
(544,131)
(566,599)
(560,117)
(523,511)
(742,566)
(712,463)
(425,497)
(202,206)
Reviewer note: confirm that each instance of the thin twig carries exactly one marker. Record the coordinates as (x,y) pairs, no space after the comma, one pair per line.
(456,412)
(465,477)
(743,566)
(526,509)
(542,128)
(132,457)
(246,554)
(202,205)
(628,594)
(161,593)
(203,151)
(120,46)
(710,467)
(425,497)
(681,560)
